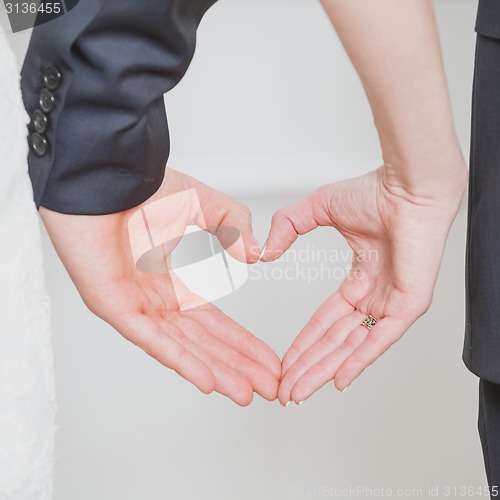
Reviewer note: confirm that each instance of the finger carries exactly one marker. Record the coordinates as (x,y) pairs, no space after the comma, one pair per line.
(297,219)
(325,345)
(145,333)
(226,217)
(259,378)
(324,370)
(234,335)
(228,381)
(334,308)
(212,209)
(243,247)
(380,338)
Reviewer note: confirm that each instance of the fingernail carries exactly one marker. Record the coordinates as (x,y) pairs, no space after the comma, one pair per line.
(288,403)
(263,251)
(300,402)
(345,388)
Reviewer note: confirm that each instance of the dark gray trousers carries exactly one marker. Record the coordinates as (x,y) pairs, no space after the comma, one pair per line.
(481,352)
(489,431)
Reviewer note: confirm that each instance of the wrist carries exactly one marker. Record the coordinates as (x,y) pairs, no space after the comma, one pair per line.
(442,181)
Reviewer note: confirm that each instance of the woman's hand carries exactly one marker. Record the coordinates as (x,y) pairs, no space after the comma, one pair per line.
(397,241)
(202,344)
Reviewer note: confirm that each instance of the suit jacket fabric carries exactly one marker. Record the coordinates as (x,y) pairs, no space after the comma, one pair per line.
(93,81)
(488,18)
(481,352)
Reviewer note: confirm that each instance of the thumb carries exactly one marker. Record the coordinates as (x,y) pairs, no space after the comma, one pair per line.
(296,219)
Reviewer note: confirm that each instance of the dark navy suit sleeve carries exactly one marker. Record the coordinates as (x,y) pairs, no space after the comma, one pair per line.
(93,82)
(488,18)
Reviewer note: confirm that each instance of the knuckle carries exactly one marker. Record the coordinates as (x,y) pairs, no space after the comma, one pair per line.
(358,361)
(317,324)
(351,343)
(246,212)
(382,343)
(279,216)
(323,367)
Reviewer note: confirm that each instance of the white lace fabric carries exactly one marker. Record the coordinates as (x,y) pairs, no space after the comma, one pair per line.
(27,400)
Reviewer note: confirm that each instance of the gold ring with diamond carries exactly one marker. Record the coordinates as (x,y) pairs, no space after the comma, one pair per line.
(369,322)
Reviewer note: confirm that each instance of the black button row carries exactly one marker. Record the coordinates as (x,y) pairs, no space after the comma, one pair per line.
(51,78)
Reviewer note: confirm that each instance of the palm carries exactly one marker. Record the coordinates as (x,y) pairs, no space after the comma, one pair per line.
(388,236)
(200,343)
(397,246)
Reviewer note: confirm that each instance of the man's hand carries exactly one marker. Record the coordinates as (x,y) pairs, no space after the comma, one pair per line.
(202,344)
(397,241)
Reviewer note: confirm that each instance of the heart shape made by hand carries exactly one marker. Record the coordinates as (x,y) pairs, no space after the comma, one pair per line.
(386,290)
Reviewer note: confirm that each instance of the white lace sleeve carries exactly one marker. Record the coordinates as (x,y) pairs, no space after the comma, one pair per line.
(27,402)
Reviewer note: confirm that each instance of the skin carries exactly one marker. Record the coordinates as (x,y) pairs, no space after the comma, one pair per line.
(401,213)
(201,344)
(397,247)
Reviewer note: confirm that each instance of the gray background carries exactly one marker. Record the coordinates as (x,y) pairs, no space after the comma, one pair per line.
(269,110)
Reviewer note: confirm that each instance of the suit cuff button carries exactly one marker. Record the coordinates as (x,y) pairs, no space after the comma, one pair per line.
(40,121)
(46,101)
(39,144)
(51,77)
